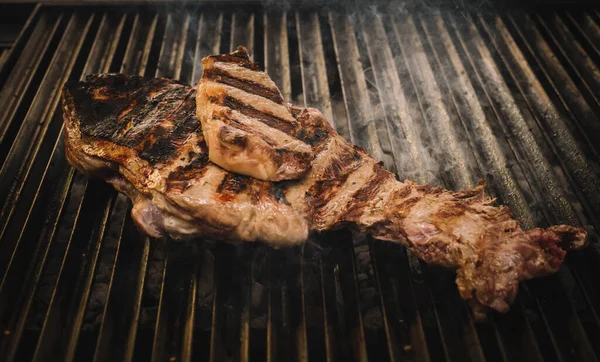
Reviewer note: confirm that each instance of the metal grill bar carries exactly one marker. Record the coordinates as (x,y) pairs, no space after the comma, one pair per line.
(398,113)
(579,61)
(443,99)
(471,111)
(587,30)
(101,54)
(9,56)
(14,270)
(18,80)
(60,151)
(549,299)
(135,250)
(13,94)
(167,334)
(546,115)
(567,149)
(279,337)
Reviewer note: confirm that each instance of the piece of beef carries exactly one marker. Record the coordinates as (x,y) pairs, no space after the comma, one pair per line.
(141,135)
(247,126)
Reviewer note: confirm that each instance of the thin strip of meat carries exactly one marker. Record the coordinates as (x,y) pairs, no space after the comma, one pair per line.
(141,135)
(463,231)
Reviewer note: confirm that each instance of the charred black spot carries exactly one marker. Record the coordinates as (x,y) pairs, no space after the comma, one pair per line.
(239,57)
(190,123)
(200,160)
(160,151)
(132,111)
(278,192)
(295,111)
(316,137)
(101,99)
(194,169)
(302,134)
(233,184)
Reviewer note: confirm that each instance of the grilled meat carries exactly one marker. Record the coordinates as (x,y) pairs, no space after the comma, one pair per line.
(141,135)
(248,128)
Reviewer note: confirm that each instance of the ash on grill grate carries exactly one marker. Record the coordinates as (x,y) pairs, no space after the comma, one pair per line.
(445,97)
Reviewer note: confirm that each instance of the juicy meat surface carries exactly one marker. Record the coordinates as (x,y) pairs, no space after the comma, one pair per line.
(141,135)
(248,127)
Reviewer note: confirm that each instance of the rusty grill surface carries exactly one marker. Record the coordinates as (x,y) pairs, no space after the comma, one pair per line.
(443,97)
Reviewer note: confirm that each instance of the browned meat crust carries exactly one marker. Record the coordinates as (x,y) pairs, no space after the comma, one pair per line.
(248,128)
(114,122)
(142,136)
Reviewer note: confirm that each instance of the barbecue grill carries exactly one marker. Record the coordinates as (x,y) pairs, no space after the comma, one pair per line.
(441,94)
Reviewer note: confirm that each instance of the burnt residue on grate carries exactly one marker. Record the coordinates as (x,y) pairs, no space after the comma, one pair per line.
(444,97)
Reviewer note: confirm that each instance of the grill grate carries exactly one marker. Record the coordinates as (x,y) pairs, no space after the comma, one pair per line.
(441,97)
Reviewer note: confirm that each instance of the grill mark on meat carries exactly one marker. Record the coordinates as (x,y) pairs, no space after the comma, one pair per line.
(169,140)
(309,135)
(403,191)
(153,116)
(227,119)
(249,111)
(232,185)
(159,151)
(362,197)
(345,162)
(240,58)
(195,169)
(405,197)
(228,134)
(219,76)
(286,156)
(190,123)
(275,149)
(278,192)
(404,207)
(332,180)
(249,121)
(323,191)
(310,131)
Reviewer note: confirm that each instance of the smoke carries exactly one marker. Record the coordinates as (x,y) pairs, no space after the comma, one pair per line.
(405,116)
(408,122)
